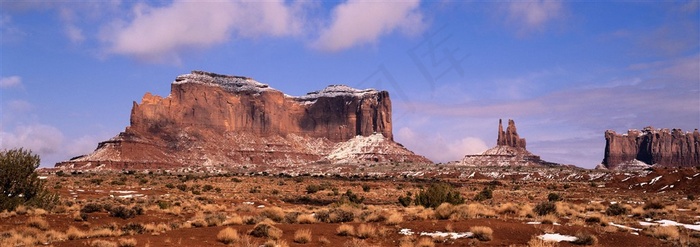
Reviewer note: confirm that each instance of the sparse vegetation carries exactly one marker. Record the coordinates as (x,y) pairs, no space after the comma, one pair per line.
(482,233)
(302,236)
(228,236)
(545,208)
(20,184)
(439,193)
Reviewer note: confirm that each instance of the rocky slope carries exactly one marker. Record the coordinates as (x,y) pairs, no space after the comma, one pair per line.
(509,151)
(219,120)
(658,147)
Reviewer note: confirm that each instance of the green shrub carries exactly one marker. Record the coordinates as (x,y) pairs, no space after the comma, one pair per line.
(437,194)
(91,208)
(122,212)
(545,208)
(366,188)
(351,197)
(405,200)
(485,194)
(313,188)
(19,182)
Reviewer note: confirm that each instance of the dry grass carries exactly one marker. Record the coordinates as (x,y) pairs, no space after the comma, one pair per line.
(104,232)
(233,220)
(474,210)
(323,240)
(537,242)
(228,236)
(444,211)
(74,233)
(482,233)
(585,239)
(126,242)
(38,223)
(549,219)
(665,232)
(394,219)
(54,236)
(276,243)
(306,219)
(102,243)
(302,236)
(425,242)
(507,209)
(365,231)
(345,230)
(276,214)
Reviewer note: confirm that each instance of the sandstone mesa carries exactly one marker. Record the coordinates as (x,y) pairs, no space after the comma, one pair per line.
(226,121)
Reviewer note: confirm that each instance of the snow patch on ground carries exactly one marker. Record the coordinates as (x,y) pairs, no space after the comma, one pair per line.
(451,235)
(695,227)
(556,237)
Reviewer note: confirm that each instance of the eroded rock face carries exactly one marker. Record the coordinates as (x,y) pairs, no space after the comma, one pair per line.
(509,151)
(662,147)
(212,119)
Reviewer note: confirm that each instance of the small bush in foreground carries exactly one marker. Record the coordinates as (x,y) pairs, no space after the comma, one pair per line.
(228,236)
(19,182)
(665,232)
(126,242)
(544,208)
(264,229)
(345,230)
(366,231)
(585,239)
(302,236)
(437,194)
(482,233)
(615,209)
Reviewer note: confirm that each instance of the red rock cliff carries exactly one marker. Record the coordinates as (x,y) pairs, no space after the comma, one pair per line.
(212,119)
(510,136)
(653,147)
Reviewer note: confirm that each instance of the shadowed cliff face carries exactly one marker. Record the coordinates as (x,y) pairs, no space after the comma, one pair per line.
(653,147)
(236,120)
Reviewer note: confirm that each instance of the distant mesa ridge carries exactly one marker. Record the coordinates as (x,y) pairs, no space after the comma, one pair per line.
(651,147)
(211,119)
(510,150)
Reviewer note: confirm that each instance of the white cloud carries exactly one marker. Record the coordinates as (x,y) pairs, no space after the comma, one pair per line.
(531,16)
(41,139)
(10,82)
(20,106)
(358,22)
(74,33)
(160,33)
(437,148)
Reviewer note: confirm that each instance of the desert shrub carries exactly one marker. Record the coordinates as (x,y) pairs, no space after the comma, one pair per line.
(485,194)
(444,211)
(305,219)
(366,188)
(544,208)
(406,200)
(665,232)
(228,236)
(345,230)
(653,205)
(265,230)
(207,187)
(181,187)
(96,181)
(338,215)
(615,209)
(164,204)
(351,197)
(313,188)
(394,219)
(482,233)
(302,236)
(276,214)
(91,208)
(585,239)
(170,186)
(134,228)
(38,223)
(74,233)
(437,194)
(126,242)
(216,219)
(554,197)
(122,212)
(366,231)
(323,240)
(425,242)
(19,182)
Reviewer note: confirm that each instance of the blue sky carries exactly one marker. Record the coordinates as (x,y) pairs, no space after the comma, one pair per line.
(564,71)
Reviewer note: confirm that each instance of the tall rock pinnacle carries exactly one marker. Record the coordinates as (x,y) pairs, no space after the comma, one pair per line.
(510,136)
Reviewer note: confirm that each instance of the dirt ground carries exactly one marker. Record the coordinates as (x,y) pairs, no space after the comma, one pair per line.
(193,209)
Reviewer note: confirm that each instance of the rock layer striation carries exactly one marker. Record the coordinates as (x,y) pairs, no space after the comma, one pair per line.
(219,120)
(659,147)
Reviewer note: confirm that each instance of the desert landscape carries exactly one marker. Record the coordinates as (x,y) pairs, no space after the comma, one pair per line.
(349,123)
(226,160)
